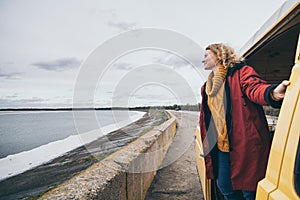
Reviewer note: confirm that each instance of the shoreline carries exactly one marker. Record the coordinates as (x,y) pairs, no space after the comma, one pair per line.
(18,163)
(39,179)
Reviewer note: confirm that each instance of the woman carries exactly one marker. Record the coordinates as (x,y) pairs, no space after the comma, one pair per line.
(233,124)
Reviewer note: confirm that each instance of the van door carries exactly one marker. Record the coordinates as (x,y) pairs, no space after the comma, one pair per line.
(281,180)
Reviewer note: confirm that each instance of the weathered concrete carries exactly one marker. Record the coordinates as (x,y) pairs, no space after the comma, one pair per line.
(178,177)
(126,174)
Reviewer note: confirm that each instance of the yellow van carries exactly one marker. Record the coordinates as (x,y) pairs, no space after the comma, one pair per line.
(274,52)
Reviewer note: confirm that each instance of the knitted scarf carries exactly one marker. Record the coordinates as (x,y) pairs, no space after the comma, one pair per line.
(215,91)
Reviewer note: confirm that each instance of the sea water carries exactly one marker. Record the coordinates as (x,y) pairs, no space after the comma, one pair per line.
(29,139)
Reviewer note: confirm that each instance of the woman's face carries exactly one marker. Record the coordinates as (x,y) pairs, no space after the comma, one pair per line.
(210,60)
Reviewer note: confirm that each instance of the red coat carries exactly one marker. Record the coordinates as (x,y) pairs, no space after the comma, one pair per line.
(247,128)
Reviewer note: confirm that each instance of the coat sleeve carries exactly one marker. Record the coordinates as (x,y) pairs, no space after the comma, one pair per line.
(255,88)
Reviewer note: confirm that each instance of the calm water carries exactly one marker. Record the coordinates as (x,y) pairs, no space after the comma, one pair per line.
(22,131)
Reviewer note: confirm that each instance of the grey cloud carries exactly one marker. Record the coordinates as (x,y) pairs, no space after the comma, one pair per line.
(151,96)
(122,66)
(12,96)
(12,75)
(60,64)
(123,26)
(6,64)
(34,102)
(120,25)
(172,60)
(5,74)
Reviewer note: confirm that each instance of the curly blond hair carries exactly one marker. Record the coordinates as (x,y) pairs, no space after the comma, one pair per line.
(225,54)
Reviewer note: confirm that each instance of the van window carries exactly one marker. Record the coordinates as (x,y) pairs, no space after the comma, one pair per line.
(297,171)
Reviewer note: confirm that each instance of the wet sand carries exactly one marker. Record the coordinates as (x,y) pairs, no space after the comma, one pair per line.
(34,182)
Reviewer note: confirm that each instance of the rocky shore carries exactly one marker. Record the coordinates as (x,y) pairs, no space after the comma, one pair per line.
(31,184)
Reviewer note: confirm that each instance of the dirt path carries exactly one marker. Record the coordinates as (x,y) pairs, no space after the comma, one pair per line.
(178,178)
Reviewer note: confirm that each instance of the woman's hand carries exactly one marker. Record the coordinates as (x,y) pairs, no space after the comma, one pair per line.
(278,93)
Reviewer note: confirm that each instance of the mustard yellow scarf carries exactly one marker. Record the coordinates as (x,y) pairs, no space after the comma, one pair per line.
(215,91)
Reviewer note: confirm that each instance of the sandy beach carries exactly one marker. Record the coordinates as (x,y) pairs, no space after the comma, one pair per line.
(32,183)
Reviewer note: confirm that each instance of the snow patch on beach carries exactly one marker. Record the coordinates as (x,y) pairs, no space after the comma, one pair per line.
(15,164)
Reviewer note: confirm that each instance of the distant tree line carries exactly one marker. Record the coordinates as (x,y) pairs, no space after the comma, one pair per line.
(187,107)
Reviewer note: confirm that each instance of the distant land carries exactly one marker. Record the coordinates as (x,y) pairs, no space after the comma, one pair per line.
(169,107)
(196,107)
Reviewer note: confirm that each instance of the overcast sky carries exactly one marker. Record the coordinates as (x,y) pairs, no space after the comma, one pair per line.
(44,43)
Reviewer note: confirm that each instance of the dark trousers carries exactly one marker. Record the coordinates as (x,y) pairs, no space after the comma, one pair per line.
(224,181)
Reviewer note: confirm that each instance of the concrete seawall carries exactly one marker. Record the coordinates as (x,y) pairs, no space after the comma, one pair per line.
(126,174)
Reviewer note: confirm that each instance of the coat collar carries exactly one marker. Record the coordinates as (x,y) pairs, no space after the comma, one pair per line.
(236,67)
